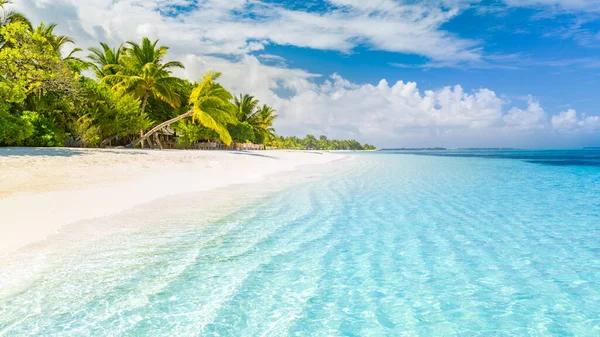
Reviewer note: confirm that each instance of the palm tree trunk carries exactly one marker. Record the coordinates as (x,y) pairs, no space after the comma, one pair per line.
(108,140)
(157,140)
(160,126)
(143,109)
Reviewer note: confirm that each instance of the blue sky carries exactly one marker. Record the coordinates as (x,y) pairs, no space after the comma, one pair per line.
(524,49)
(519,73)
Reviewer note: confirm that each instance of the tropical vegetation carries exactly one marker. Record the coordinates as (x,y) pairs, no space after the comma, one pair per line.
(127,95)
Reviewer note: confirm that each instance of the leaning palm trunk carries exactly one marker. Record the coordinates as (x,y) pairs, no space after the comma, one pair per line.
(144,102)
(160,126)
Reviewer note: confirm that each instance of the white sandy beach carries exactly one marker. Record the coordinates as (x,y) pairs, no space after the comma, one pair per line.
(44,189)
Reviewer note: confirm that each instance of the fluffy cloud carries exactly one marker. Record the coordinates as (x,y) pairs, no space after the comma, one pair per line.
(532,118)
(569,121)
(215,27)
(402,114)
(397,114)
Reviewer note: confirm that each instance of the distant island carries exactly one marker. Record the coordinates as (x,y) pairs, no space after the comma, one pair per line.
(416,149)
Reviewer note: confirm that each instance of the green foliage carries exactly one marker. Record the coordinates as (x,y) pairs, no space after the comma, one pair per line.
(265,131)
(27,63)
(14,129)
(211,106)
(40,83)
(107,114)
(245,107)
(46,132)
(159,111)
(311,143)
(190,132)
(29,128)
(241,132)
(105,60)
(55,41)
(260,119)
(141,72)
(45,101)
(369,147)
(8,16)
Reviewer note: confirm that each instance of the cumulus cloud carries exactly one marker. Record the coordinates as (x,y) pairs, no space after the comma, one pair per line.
(397,114)
(212,35)
(400,113)
(569,122)
(532,118)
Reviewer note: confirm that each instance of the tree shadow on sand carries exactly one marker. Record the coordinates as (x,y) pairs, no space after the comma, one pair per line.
(57,152)
(253,154)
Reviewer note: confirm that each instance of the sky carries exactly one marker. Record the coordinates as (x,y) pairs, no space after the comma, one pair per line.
(394,73)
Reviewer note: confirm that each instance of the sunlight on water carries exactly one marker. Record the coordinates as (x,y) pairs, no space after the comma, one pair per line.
(389,245)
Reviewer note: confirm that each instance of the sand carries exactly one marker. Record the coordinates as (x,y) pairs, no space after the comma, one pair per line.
(42,190)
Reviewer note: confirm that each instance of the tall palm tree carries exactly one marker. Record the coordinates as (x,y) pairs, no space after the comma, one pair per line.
(105,60)
(260,118)
(210,105)
(56,41)
(266,115)
(245,108)
(141,72)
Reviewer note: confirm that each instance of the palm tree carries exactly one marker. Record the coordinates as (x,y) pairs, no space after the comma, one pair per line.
(245,108)
(141,72)
(8,17)
(260,118)
(105,61)
(210,105)
(266,115)
(56,41)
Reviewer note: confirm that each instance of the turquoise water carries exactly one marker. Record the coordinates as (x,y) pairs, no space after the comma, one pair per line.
(460,243)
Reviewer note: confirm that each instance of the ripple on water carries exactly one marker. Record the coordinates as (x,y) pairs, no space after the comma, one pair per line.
(397,245)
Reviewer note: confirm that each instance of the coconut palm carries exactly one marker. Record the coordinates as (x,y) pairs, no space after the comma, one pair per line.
(105,60)
(141,72)
(266,115)
(55,41)
(245,108)
(260,118)
(210,106)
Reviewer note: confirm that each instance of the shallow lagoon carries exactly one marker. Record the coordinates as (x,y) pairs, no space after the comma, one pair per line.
(379,244)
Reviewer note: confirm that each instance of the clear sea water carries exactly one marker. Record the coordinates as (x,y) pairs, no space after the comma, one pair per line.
(416,243)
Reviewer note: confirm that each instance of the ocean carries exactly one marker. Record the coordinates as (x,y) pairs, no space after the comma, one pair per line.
(395,243)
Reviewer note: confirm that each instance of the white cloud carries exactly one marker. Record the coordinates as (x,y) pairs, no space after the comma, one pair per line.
(532,118)
(562,5)
(397,114)
(388,114)
(212,27)
(569,122)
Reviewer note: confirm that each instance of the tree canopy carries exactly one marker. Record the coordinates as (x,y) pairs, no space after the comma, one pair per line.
(46,98)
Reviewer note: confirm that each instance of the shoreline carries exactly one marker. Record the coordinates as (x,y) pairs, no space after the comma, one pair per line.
(44,189)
